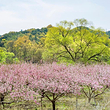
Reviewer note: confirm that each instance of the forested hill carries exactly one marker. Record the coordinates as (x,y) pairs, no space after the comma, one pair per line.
(108,33)
(56,44)
(33,34)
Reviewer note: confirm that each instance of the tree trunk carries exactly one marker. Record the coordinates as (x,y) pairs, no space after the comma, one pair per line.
(0,106)
(76,102)
(89,99)
(1,101)
(41,103)
(94,99)
(53,105)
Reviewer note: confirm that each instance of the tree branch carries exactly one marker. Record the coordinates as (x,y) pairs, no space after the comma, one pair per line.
(102,91)
(69,52)
(97,54)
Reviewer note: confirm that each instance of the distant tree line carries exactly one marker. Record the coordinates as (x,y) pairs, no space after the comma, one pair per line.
(69,42)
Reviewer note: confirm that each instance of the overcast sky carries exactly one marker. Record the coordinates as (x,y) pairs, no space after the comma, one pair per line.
(25,14)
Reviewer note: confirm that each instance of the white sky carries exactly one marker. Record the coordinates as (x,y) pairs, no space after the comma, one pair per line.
(25,14)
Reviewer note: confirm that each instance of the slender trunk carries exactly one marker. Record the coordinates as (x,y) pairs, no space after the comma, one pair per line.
(41,103)
(42,96)
(0,106)
(94,99)
(76,102)
(53,105)
(2,100)
(89,99)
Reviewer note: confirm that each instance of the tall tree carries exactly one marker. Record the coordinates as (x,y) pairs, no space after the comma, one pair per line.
(73,44)
(22,46)
(27,50)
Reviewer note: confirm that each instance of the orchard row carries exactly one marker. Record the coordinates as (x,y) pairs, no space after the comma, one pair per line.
(28,81)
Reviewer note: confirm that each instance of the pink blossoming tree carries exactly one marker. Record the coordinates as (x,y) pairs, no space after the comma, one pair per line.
(55,81)
(94,79)
(28,81)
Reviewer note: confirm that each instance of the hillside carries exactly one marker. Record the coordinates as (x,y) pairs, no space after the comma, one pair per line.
(34,34)
(28,45)
(108,33)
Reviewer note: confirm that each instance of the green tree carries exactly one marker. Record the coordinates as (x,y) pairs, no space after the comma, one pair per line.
(22,47)
(35,53)
(7,57)
(9,46)
(2,55)
(27,50)
(76,44)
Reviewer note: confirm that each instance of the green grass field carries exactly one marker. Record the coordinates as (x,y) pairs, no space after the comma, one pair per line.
(64,103)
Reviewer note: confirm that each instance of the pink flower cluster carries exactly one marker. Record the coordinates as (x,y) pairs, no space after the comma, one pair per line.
(27,80)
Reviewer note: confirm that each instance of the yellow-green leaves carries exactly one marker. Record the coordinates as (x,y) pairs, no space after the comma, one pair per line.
(76,44)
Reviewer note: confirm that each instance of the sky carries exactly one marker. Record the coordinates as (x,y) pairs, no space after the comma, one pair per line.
(17,15)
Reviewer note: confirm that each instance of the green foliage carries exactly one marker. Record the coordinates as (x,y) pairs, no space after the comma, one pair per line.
(7,57)
(68,42)
(108,33)
(79,44)
(25,49)
(16,60)
(26,45)
(33,34)
(2,56)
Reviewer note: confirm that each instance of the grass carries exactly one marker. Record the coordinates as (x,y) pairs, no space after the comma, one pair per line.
(64,103)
